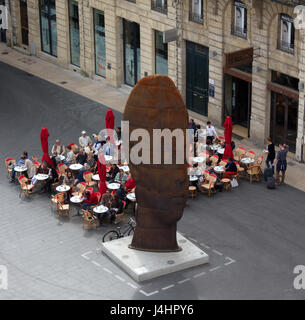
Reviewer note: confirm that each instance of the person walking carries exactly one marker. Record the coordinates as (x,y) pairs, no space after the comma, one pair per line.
(211,133)
(281,163)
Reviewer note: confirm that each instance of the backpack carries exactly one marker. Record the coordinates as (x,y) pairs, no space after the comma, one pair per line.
(268,173)
(271,183)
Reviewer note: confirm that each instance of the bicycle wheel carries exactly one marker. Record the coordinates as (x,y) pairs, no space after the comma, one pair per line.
(130,231)
(110,235)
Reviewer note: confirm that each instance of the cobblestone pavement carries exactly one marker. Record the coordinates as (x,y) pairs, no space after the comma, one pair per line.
(254,236)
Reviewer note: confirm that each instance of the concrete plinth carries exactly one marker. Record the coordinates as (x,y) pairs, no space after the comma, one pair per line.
(143,265)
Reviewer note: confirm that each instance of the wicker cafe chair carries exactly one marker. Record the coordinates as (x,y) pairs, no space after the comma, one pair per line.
(89,221)
(254,173)
(59,197)
(210,186)
(62,169)
(8,163)
(192,192)
(88,178)
(239,153)
(259,160)
(214,159)
(240,171)
(62,207)
(25,187)
(250,154)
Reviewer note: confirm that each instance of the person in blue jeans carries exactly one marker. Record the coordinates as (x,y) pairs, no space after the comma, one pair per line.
(20,162)
(270,155)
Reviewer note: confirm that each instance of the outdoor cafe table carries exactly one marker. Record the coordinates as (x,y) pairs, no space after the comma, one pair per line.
(76,200)
(124,168)
(75,166)
(62,188)
(247,160)
(20,169)
(215,147)
(193,178)
(131,196)
(219,170)
(113,186)
(96,177)
(221,150)
(60,157)
(41,176)
(100,209)
(107,158)
(199,159)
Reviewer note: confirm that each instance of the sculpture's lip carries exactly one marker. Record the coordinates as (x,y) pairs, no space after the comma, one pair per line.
(156,80)
(178,249)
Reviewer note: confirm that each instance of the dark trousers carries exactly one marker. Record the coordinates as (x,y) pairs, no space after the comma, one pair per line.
(269,163)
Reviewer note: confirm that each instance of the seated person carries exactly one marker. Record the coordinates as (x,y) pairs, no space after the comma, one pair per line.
(90,148)
(98,143)
(106,201)
(231,169)
(69,180)
(57,148)
(108,148)
(19,163)
(120,177)
(130,184)
(70,156)
(84,140)
(121,192)
(80,176)
(53,175)
(116,207)
(90,199)
(91,161)
(112,172)
(43,168)
(81,157)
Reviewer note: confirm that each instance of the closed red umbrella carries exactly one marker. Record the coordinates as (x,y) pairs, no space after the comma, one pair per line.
(44,135)
(101,167)
(228,139)
(110,123)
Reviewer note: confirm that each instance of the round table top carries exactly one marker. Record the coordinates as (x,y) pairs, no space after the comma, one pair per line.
(215,147)
(76,199)
(76,166)
(247,160)
(131,196)
(199,159)
(193,178)
(124,168)
(20,169)
(100,209)
(61,157)
(62,188)
(41,176)
(113,186)
(219,169)
(108,158)
(221,150)
(96,177)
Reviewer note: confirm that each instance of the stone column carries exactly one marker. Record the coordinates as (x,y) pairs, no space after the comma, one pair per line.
(300,147)
(34,26)
(63,44)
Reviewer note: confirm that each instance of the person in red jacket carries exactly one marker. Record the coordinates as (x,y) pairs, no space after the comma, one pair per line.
(91,199)
(130,184)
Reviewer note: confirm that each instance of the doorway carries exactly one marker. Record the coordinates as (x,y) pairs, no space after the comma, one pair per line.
(2,31)
(197,77)
(131,44)
(284,118)
(24,22)
(238,94)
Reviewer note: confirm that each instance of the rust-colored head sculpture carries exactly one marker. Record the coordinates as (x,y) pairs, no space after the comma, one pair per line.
(161,192)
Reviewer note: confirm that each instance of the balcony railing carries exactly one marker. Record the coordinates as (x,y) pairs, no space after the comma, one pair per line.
(196,17)
(238,31)
(285,46)
(159,5)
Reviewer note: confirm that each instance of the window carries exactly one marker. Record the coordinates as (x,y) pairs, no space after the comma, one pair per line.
(159,5)
(239,26)
(286,36)
(99,42)
(48,28)
(196,11)
(161,54)
(74,33)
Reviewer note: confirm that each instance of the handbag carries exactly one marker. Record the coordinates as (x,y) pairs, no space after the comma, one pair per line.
(234,183)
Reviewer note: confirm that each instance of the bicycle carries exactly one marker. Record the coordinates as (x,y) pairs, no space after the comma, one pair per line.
(116,234)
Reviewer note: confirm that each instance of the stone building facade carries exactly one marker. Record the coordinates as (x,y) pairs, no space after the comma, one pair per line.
(240,58)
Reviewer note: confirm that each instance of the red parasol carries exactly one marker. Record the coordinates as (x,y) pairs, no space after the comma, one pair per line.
(44,134)
(101,166)
(228,139)
(110,123)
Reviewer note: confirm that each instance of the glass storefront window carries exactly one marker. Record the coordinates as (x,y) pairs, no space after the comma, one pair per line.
(99,41)
(285,80)
(74,33)
(161,54)
(48,26)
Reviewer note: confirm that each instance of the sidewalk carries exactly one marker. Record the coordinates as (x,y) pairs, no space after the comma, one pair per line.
(99,91)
